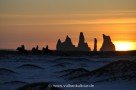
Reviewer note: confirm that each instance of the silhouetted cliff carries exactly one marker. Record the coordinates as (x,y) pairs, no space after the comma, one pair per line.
(82,45)
(107,44)
(67,45)
(95,44)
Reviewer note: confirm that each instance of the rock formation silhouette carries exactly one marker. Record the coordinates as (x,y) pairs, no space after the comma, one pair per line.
(95,45)
(107,44)
(67,45)
(58,46)
(82,45)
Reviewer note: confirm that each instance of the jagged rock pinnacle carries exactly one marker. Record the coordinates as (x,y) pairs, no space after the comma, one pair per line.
(107,44)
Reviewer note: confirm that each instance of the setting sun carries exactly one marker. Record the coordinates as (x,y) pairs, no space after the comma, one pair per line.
(124,46)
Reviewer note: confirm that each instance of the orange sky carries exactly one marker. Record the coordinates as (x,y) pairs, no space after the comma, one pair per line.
(43,22)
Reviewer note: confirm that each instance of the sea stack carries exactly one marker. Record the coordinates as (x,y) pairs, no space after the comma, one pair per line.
(58,46)
(82,45)
(95,45)
(67,45)
(107,44)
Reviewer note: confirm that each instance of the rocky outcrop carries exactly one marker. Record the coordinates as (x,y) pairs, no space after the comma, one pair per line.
(82,45)
(95,44)
(107,44)
(67,45)
(58,46)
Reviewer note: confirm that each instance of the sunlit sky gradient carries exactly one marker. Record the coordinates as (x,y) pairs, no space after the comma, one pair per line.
(43,22)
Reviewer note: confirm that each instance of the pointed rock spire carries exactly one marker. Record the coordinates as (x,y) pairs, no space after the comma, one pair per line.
(82,45)
(95,44)
(81,38)
(58,46)
(67,45)
(68,40)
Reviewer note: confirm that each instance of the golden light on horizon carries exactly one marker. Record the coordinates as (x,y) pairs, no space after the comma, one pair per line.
(43,22)
(125,45)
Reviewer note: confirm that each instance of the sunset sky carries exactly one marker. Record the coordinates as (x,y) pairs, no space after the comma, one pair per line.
(43,22)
